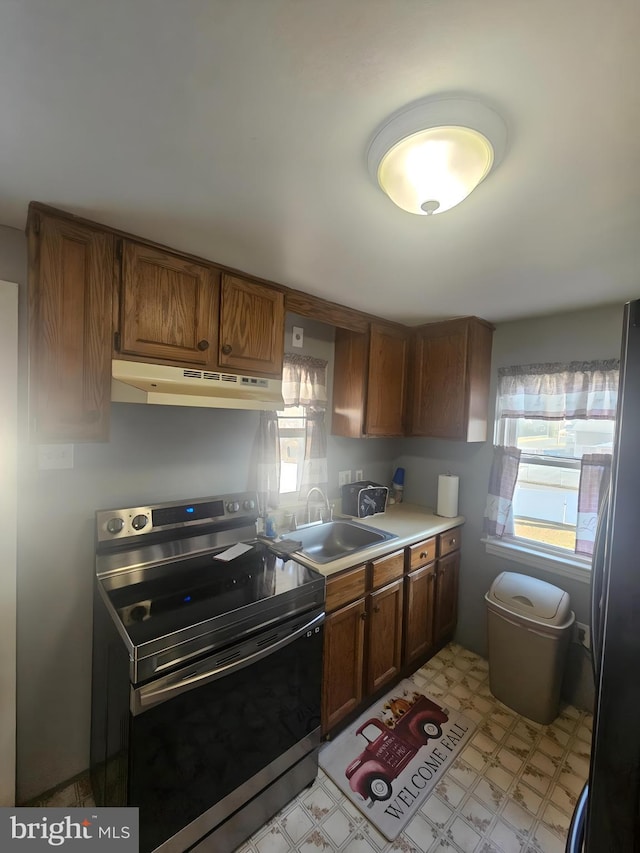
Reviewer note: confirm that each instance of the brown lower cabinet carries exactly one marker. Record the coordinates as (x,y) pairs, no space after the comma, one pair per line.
(446,604)
(402,614)
(420,599)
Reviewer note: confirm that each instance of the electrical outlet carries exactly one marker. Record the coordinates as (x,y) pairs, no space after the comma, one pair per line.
(344,477)
(583,635)
(359,475)
(55,456)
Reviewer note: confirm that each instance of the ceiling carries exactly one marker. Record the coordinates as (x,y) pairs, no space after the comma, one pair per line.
(238,130)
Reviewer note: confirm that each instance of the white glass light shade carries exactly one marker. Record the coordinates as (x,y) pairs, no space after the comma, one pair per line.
(431,154)
(433,170)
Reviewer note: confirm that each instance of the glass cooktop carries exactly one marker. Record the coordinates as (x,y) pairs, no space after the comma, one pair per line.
(202,588)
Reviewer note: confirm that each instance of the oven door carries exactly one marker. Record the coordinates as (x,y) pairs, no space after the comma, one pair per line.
(209,737)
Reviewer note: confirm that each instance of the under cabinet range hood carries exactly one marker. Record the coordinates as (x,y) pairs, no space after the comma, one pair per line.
(138,382)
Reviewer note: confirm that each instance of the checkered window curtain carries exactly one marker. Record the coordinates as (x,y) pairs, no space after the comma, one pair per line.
(266,465)
(304,383)
(553,391)
(498,513)
(595,476)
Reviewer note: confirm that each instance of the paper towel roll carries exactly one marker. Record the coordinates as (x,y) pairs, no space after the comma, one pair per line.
(448,495)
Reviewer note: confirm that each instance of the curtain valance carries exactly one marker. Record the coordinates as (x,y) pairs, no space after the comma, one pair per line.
(553,391)
(304,381)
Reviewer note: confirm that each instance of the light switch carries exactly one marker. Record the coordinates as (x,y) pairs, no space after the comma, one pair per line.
(297,337)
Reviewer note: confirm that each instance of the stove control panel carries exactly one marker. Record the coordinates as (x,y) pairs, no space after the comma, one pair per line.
(113,525)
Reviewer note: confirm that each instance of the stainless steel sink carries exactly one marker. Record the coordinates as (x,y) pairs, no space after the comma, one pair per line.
(334,539)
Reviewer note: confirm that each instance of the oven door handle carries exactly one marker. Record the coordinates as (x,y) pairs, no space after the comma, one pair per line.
(145,697)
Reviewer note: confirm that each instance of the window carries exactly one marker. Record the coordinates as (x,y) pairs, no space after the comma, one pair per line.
(545,499)
(292,424)
(552,458)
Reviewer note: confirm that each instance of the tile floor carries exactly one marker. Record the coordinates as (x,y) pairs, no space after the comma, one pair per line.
(512,790)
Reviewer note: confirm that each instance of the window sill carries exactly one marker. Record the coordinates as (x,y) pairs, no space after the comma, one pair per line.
(576,568)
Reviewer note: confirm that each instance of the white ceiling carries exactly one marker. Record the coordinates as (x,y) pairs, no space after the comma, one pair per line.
(238,129)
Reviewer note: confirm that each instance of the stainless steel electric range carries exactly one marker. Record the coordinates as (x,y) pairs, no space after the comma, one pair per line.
(207,657)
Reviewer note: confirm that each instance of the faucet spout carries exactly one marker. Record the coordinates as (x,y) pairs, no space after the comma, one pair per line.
(324,499)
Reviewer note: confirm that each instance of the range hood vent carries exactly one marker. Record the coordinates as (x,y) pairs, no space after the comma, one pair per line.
(138,382)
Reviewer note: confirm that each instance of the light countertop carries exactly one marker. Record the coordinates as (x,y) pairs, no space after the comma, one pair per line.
(409,522)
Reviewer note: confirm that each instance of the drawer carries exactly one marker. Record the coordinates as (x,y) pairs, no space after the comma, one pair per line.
(449,541)
(387,569)
(344,588)
(422,553)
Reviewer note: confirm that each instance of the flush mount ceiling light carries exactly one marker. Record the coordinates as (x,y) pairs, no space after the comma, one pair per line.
(430,155)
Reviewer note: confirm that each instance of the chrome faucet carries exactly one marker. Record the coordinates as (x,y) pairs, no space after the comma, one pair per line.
(325,499)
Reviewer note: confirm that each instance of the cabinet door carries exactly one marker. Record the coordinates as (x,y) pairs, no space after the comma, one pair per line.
(439,380)
(419,612)
(70,296)
(384,643)
(386,381)
(451,372)
(342,663)
(349,383)
(446,607)
(168,308)
(251,327)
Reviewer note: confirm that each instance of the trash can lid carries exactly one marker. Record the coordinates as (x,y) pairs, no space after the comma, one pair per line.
(527,596)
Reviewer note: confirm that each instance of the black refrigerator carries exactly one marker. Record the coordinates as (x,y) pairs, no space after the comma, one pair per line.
(607,816)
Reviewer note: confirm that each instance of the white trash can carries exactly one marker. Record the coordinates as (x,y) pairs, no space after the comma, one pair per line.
(529,625)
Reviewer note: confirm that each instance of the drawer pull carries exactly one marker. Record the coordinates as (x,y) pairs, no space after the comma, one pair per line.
(453,541)
(423,554)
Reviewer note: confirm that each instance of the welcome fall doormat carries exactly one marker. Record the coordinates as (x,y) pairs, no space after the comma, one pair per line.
(388,761)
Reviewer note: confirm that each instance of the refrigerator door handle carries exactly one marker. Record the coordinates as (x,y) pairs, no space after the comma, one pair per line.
(597,583)
(575,837)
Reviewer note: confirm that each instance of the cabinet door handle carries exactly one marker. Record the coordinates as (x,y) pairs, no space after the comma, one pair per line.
(363,616)
(453,541)
(376,609)
(226,349)
(203,345)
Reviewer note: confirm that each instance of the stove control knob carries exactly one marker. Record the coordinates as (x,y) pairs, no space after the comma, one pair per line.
(233,506)
(115,525)
(249,504)
(139,521)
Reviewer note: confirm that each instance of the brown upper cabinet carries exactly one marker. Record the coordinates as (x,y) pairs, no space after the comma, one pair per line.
(251,327)
(369,381)
(71,270)
(95,292)
(176,311)
(451,371)
(169,307)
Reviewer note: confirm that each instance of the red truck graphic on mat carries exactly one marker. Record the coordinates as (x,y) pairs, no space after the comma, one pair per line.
(391,744)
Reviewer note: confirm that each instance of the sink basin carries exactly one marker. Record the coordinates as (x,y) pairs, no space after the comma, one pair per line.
(334,539)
